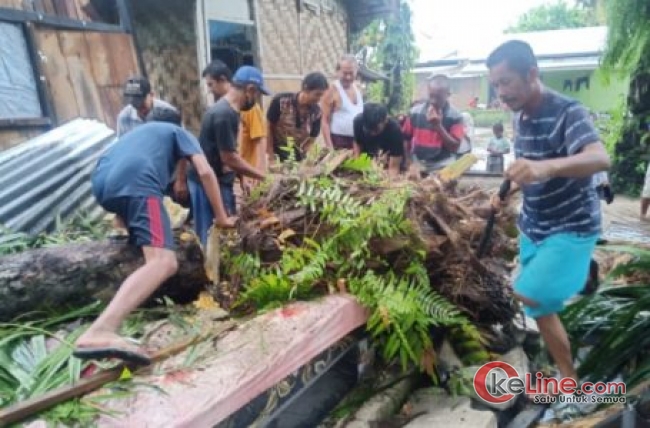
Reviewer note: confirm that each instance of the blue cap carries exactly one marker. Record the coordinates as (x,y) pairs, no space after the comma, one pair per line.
(250,75)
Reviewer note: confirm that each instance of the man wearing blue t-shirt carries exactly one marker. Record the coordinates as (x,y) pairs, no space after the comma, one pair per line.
(557,150)
(130,180)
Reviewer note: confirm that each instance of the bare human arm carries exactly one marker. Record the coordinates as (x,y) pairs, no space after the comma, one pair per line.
(498,151)
(356,149)
(449,141)
(591,159)
(306,145)
(407,135)
(497,204)
(234,161)
(270,142)
(272,117)
(181,192)
(211,187)
(261,152)
(328,104)
(586,154)
(394,163)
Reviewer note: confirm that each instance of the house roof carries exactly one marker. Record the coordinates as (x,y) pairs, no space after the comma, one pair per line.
(569,49)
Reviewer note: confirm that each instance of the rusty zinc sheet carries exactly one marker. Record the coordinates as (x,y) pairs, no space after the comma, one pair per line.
(47,178)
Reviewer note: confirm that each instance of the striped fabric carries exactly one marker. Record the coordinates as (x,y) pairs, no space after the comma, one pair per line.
(561,127)
(426,142)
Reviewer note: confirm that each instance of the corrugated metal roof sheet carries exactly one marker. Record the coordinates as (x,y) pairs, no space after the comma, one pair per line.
(48,177)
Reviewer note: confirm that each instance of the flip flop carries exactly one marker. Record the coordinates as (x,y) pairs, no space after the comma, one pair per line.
(112,352)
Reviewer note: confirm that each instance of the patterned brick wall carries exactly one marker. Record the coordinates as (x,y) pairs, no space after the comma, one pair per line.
(324,39)
(296,43)
(282,85)
(278,21)
(167,39)
(292,44)
(173,73)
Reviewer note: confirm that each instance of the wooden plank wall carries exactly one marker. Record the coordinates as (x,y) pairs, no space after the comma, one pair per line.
(73,9)
(84,71)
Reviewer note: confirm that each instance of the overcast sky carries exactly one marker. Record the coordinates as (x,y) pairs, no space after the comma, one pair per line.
(442,26)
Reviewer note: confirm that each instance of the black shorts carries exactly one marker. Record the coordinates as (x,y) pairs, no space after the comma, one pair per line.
(145,218)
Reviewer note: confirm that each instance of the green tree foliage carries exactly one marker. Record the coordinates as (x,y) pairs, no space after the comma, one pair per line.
(389,45)
(596,8)
(613,322)
(556,16)
(628,41)
(628,52)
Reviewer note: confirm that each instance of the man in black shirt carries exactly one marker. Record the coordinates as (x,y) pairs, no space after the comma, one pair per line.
(376,134)
(218,138)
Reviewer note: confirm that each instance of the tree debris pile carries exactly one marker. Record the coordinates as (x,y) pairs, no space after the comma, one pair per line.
(405,249)
(623,264)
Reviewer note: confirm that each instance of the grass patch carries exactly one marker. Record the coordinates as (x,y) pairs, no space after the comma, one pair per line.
(80,228)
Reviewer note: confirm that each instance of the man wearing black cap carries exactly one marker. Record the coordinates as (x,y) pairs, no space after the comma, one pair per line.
(140,104)
(218,137)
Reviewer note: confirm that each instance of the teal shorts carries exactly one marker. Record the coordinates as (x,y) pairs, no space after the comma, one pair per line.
(553,270)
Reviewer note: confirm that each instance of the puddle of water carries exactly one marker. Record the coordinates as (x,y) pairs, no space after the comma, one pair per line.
(638,233)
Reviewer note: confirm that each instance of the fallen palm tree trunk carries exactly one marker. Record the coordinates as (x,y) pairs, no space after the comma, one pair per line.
(76,274)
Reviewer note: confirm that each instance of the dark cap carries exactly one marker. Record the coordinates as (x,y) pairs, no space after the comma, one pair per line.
(247,74)
(136,90)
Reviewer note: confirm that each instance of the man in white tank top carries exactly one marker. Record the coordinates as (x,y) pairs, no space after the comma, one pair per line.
(341,104)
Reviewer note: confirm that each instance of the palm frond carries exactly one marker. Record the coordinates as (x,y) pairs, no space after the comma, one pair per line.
(615,321)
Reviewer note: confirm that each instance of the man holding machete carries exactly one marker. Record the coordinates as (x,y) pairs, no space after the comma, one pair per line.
(557,150)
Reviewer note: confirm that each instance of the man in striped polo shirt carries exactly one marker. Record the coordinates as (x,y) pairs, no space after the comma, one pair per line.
(557,150)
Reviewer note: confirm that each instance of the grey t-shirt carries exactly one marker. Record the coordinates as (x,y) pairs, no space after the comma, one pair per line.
(142,162)
(128,118)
